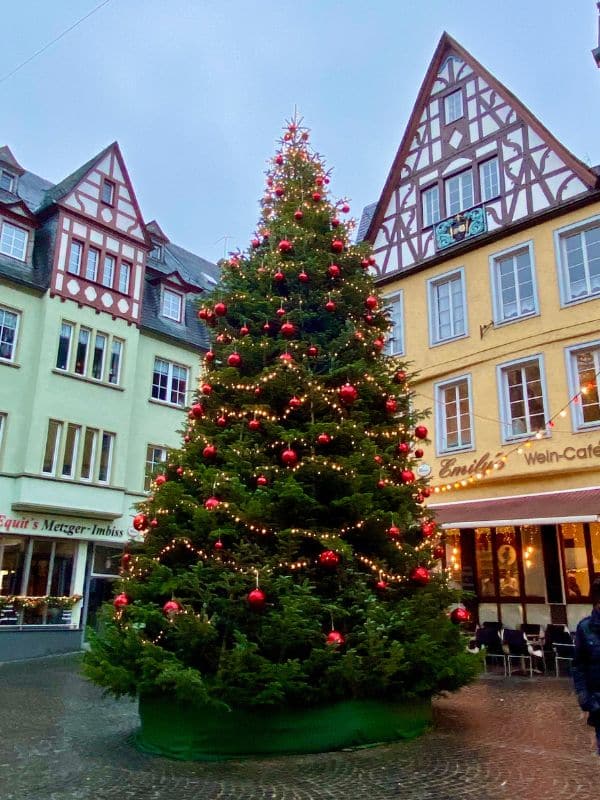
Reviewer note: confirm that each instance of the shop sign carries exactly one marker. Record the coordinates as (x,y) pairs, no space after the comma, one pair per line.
(567,454)
(37,525)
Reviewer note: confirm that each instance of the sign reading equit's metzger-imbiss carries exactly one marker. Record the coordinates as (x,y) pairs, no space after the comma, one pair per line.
(34,525)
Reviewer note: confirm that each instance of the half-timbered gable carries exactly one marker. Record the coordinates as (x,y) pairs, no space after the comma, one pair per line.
(473,160)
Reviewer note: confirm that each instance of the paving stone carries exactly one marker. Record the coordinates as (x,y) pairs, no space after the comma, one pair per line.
(500,738)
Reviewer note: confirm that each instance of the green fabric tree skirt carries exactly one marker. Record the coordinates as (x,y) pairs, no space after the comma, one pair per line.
(197,733)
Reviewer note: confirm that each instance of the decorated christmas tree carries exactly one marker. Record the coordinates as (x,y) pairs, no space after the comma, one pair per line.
(288,558)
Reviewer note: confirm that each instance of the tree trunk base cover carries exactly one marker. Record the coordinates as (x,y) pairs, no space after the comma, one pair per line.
(197,733)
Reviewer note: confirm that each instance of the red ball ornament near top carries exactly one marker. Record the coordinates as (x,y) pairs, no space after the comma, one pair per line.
(206,388)
(438,551)
(262,480)
(345,208)
(244,330)
(279,190)
(316,196)
(419,454)
(279,159)
(337,245)
(222,421)
(255,243)
(211,503)
(160,479)
(220,309)
(369,319)
(407,476)
(171,607)
(329,559)
(400,376)
(197,411)
(319,180)
(285,246)
(287,358)
(312,351)
(419,575)
(294,402)
(391,405)
(381,585)
(427,529)
(393,531)
(335,222)
(266,327)
(210,451)
(120,601)
(279,276)
(334,271)
(421,432)
(303,277)
(459,615)
(298,215)
(179,471)
(281,312)
(203,313)
(403,448)
(288,329)
(335,639)
(140,522)
(289,457)
(257,599)
(371,302)
(234,360)
(378,344)
(218,545)
(330,305)
(364,262)
(348,394)
(323,438)
(209,357)
(254,424)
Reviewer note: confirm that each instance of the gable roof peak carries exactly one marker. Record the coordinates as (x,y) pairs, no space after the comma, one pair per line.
(7,157)
(156,232)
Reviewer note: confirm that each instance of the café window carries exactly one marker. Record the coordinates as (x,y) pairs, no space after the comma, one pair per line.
(453,559)
(509,563)
(575,557)
(509,582)
(484,560)
(107,561)
(595,546)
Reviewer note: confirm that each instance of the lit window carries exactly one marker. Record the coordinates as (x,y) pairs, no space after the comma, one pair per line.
(124,274)
(172,303)
(447,307)
(459,192)
(75,254)
(579,263)
(430,199)
(7,181)
(489,179)
(513,285)
(91,265)
(523,402)
(169,382)
(454,425)
(13,241)
(155,456)
(584,370)
(108,192)
(394,345)
(453,106)
(9,328)
(109,271)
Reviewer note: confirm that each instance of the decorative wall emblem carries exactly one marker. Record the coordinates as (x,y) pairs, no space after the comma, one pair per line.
(461,226)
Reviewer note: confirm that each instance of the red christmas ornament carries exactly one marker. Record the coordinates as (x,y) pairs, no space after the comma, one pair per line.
(187,438)
(381,585)
(378,344)
(393,531)
(330,305)
(279,190)
(288,329)
(364,262)
(316,196)
(421,432)
(419,575)
(279,159)
(211,318)
(419,498)
(400,376)
(279,276)
(209,357)
(154,523)
(234,360)
(244,330)
(281,312)
(372,261)
(197,411)
(381,484)
(223,338)
(426,491)
(369,319)
(334,271)
(125,559)
(294,402)
(298,215)
(222,421)
(210,451)
(329,559)
(206,388)
(257,390)
(371,302)
(303,277)
(160,479)
(337,245)
(391,405)
(407,476)
(218,545)
(211,503)
(335,222)
(120,601)
(254,424)
(319,180)
(348,394)
(345,208)
(179,471)
(220,309)
(438,551)
(171,607)
(257,599)
(287,358)
(266,327)
(459,615)
(335,639)
(203,313)
(418,453)
(312,350)
(427,529)
(261,480)
(289,457)
(378,459)
(403,448)
(323,438)
(285,246)
(140,522)
(255,243)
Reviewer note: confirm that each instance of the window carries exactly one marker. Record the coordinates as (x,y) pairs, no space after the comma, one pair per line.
(88,457)
(7,181)
(157,252)
(395,338)
(172,303)
(78,453)
(75,254)
(169,382)
(13,241)
(523,404)
(91,265)
(108,192)
(454,415)
(453,106)
(2,427)
(64,346)
(107,561)
(430,200)
(584,367)
(81,353)
(114,370)
(52,447)
(513,285)
(109,271)
(155,456)
(459,192)
(447,309)
(577,576)
(124,273)
(9,328)
(106,451)
(579,262)
(489,180)
(70,451)
(101,362)
(98,358)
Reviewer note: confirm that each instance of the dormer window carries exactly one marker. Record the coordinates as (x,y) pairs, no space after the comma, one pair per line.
(13,241)
(157,252)
(172,305)
(453,106)
(8,181)
(108,192)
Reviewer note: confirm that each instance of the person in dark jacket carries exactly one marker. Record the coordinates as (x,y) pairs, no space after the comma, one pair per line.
(586,663)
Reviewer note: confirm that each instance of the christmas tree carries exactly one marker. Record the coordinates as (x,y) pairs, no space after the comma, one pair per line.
(288,558)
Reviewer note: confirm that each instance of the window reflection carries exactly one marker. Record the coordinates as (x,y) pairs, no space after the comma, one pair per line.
(484,561)
(453,560)
(508,568)
(577,581)
(533,562)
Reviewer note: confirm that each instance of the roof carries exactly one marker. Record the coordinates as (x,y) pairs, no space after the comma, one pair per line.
(365,221)
(191,331)
(7,157)
(62,189)
(193,269)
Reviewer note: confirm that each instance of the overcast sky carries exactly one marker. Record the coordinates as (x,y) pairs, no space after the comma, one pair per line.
(196,91)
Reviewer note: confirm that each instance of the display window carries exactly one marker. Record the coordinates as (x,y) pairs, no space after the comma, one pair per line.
(509,563)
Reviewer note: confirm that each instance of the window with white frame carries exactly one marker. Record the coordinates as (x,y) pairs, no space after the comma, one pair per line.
(13,241)
(447,307)
(513,284)
(157,252)
(155,457)
(2,427)
(489,179)
(7,181)
(459,192)
(78,453)
(172,305)
(453,106)
(584,368)
(169,382)
(91,264)
(91,354)
(108,192)
(523,400)
(108,274)
(124,275)
(430,199)
(454,423)
(579,262)
(394,345)
(9,329)
(75,256)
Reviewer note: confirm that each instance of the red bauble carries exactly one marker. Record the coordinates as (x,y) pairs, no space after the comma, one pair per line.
(323,438)
(120,601)
(348,394)
(257,599)
(337,245)
(125,559)
(419,575)
(407,476)
(335,222)
(211,503)
(255,243)
(154,523)
(427,529)
(391,405)
(279,159)
(426,491)
(438,551)
(257,390)
(312,350)
(381,484)
(197,411)
(288,329)
(287,358)
(261,480)
(393,531)
(364,262)
(371,302)
(220,309)
(381,585)
(209,357)
(319,181)
(279,276)
(418,453)
(329,559)
(222,422)
(140,522)
(285,246)
(378,459)
(369,319)
(171,607)
(289,457)
(421,432)
(403,448)
(206,388)
(335,639)
(254,424)
(179,471)
(419,498)
(160,479)
(378,345)
(345,208)
(400,376)
(281,312)
(303,277)
(294,402)
(279,190)
(334,271)
(211,318)
(234,360)
(266,327)
(223,338)
(210,451)
(316,196)
(459,615)
(372,261)
(203,313)
(244,330)
(330,305)
(187,438)
(218,545)
(298,215)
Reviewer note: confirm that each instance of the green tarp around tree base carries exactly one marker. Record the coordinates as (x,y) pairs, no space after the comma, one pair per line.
(197,733)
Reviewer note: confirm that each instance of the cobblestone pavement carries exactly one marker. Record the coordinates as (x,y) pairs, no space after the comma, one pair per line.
(518,738)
